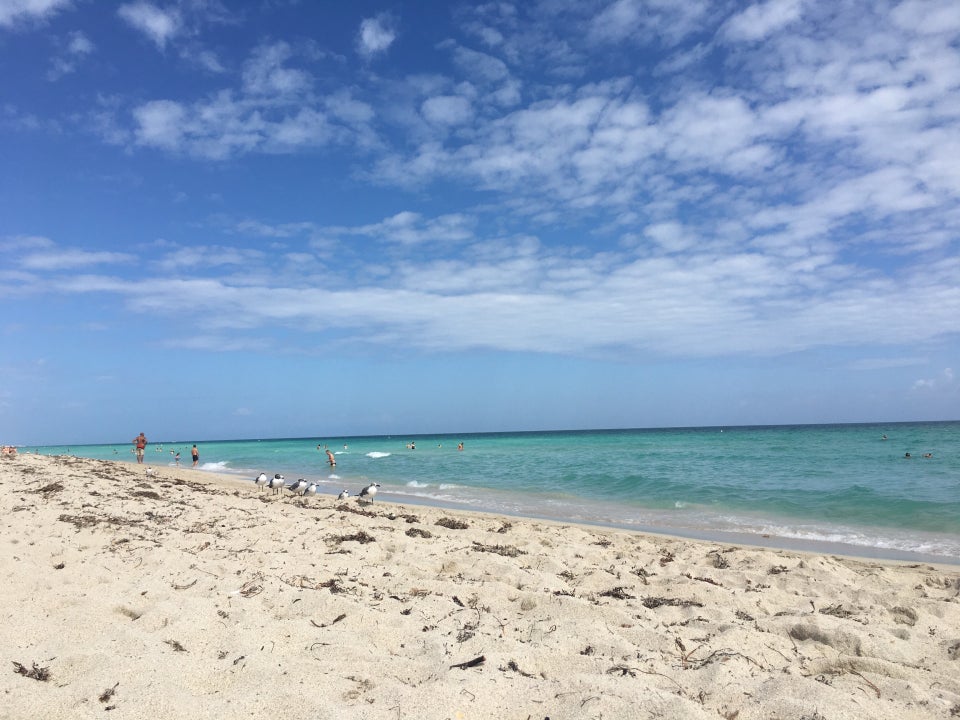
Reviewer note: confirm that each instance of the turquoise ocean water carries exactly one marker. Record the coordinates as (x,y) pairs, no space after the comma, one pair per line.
(836,488)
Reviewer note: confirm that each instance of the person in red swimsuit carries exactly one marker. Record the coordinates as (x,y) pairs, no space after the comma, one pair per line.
(140,441)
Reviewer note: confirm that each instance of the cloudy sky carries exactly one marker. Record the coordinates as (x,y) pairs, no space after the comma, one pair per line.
(275,218)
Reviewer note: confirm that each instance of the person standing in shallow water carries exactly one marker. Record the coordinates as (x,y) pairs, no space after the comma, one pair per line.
(195,454)
(140,442)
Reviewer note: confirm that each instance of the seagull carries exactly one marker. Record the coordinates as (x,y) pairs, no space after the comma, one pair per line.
(261,480)
(368,492)
(150,472)
(298,487)
(344,494)
(311,489)
(276,484)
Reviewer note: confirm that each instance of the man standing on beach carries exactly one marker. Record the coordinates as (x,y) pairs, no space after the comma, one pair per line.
(140,441)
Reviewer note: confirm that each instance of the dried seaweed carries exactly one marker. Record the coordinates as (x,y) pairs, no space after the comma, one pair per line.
(836,611)
(619,593)
(107,694)
(42,674)
(361,537)
(53,487)
(655,602)
(452,524)
(418,532)
(469,663)
(512,665)
(337,619)
(505,550)
(175,645)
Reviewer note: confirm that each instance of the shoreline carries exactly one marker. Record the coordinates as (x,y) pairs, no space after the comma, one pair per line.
(191,594)
(768,540)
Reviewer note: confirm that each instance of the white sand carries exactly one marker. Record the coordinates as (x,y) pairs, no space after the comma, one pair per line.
(191,595)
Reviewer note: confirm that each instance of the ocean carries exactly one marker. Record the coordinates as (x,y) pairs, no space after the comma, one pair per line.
(847,488)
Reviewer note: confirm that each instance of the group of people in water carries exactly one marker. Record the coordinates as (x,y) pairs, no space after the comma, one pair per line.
(140,446)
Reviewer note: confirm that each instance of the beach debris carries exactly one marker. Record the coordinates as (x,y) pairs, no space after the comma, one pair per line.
(512,665)
(504,528)
(836,611)
(719,561)
(107,694)
(361,537)
(368,492)
(337,619)
(666,557)
(36,672)
(477,661)
(654,602)
(50,488)
(620,593)
(418,532)
(505,550)
(452,524)
(778,569)
(252,587)
(175,645)
(700,578)
(643,574)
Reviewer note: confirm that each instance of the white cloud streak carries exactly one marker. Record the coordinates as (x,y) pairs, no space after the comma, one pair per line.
(159,25)
(13,12)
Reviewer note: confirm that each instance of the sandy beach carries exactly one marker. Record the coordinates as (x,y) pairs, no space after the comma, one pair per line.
(185,594)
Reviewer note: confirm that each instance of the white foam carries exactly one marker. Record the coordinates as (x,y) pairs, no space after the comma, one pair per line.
(376,454)
(215,466)
(414,483)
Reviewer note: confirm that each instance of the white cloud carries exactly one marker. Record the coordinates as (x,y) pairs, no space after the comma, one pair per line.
(160,124)
(763,19)
(70,259)
(941,384)
(264,73)
(376,35)
(17,11)
(157,24)
(929,17)
(447,110)
(77,48)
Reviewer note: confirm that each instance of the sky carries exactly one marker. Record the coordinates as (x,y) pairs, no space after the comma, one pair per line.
(309,219)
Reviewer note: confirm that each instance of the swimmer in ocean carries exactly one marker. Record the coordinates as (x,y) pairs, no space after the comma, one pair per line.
(330,459)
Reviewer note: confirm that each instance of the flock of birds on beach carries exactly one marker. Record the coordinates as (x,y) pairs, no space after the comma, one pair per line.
(300,487)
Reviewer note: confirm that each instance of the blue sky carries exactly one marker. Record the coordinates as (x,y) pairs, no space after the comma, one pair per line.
(269,219)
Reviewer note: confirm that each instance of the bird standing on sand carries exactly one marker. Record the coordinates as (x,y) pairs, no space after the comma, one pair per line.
(344,494)
(298,487)
(276,484)
(368,492)
(311,489)
(261,480)
(150,472)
